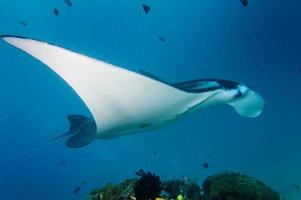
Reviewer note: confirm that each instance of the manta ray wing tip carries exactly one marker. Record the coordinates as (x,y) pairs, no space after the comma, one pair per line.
(10,38)
(7,38)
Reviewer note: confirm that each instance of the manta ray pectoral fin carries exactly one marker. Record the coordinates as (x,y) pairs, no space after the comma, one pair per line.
(116,97)
(250,105)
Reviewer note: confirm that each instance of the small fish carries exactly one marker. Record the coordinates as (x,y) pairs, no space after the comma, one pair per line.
(146,8)
(161,38)
(23,23)
(76,190)
(296,186)
(244,2)
(62,162)
(155,153)
(56,12)
(68,3)
(205,165)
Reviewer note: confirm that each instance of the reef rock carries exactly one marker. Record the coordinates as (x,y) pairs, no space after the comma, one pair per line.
(236,186)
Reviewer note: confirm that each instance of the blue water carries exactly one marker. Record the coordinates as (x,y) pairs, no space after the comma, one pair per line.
(259,45)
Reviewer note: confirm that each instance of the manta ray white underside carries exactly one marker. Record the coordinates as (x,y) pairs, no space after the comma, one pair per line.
(123,101)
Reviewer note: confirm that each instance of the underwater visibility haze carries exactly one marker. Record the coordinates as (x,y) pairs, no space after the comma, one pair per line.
(105,69)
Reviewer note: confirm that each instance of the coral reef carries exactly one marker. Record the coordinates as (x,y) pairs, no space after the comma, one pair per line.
(223,186)
(236,186)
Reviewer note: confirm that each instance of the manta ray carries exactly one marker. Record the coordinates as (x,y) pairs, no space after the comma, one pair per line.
(123,102)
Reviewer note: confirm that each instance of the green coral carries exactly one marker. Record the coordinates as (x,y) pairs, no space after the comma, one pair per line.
(187,188)
(173,188)
(236,186)
(191,190)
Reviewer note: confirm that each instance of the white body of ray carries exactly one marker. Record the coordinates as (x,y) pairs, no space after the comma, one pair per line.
(120,101)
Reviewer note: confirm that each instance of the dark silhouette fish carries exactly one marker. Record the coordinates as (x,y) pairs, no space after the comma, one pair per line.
(161,38)
(296,186)
(76,190)
(56,12)
(68,3)
(62,162)
(244,2)
(23,23)
(205,165)
(146,8)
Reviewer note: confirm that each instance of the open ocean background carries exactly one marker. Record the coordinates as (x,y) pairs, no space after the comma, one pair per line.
(259,45)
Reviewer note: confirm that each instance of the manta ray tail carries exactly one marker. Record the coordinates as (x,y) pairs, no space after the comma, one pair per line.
(82,132)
